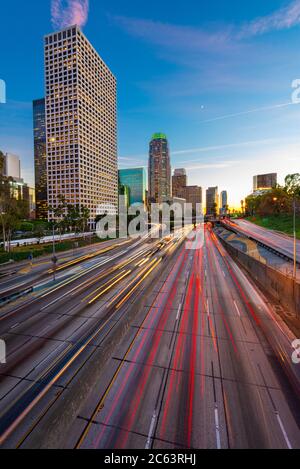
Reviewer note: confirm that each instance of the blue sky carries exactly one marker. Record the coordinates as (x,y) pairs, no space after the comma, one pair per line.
(214,76)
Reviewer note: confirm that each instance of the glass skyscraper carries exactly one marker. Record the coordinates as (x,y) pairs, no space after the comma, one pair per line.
(40,158)
(135,179)
(159,169)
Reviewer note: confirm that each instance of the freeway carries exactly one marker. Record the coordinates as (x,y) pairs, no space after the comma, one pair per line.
(21,274)
(63,323)
(280,242)
(198,364)
(195,372)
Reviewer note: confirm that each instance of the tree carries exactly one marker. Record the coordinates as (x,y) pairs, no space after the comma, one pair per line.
(57,213)
(85,216)
(39,232)
(292,184)
(73,218)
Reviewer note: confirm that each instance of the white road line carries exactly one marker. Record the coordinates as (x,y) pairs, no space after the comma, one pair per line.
(224,274)
(236,306)
(218,436)
(15,325)
(178,311)
(288,443)
(151,431)
(207,307)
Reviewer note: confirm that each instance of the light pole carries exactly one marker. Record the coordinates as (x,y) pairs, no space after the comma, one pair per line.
(295,242)
(54,258)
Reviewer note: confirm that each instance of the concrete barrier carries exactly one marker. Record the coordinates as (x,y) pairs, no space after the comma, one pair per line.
(282,288)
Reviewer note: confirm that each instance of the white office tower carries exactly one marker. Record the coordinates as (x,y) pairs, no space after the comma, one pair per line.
(81,123)
(12,166)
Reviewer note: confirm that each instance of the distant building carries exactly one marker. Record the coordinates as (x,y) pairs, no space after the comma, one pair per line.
(12,166)
(179,182)
(223,202)
(21,191)
(40,158)
(135,179)
(159,168)
(264,182)
(212,201)
(81,124)
(180,188)
(193,195)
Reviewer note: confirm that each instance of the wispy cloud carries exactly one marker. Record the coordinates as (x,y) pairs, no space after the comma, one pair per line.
(284,18)
(221,165)
(68,12)
(175,36)
(250,111)
(187,37)
(206,149)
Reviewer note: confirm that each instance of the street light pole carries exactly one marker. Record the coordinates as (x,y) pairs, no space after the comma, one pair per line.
(54,259)
(295,243)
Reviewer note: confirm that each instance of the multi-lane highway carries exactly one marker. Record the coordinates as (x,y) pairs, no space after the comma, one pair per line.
(149,345)
(280,242)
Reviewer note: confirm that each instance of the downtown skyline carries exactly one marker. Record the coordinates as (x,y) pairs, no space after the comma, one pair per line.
(210,131)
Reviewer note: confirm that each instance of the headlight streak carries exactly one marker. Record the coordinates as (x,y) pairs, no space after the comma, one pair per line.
(144,273)
(110,285)
(140,281)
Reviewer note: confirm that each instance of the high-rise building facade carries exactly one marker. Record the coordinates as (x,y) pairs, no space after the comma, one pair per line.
(81,123)
(135,179)
(264,182)
(179,182)
(40,158)
(159,169)
(193,195)
(12,166)
(223,202)
(212,201)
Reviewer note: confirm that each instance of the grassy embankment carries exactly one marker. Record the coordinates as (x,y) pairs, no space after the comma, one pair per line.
(23,252)
(283,223)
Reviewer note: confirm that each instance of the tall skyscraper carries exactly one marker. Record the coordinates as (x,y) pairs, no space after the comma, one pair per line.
(264,182)
(81,123)
(40,158)
(135,179)
(159,169)
(223,202)
(179,182)
(212,201)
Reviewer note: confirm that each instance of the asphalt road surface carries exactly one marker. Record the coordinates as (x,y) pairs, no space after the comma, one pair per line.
(203,361)
(280,242)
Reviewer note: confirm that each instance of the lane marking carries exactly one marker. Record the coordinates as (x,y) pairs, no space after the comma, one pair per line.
(236,306)
(15,325)
(178,311)
(151,431)
(217,424)
(288,443)
(207,307)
